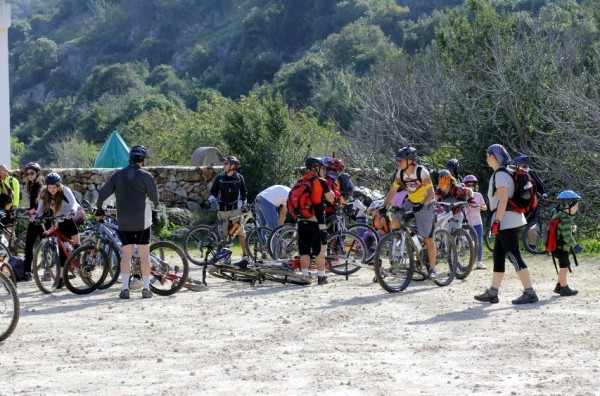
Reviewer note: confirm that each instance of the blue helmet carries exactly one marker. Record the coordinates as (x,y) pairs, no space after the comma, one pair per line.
(138,154)
(568,195)
(522,159)
(52,179)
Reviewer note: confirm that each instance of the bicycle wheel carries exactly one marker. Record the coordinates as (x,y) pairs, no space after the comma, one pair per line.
(284,276)
(466,252)
(285,244)
(227,272)
(473,234)
(533,236)
(256,242)
(445,259)
(45,267)
(369,235)
(169,268)
(394,261)
(85,269)
(114,264)
(8,271)
(198,241)
(346,251)
(275,235)
(9,307)
(4,253)
(488,237)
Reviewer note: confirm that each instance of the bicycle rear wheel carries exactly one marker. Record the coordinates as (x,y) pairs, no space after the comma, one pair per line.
(256,242)
(533,236)
(346,251)
(229,273)
(465,251)
(198,242)
(9,307)
(85,269)
(114,264)
(169,268)
(45,267)
(369,235)
(393,261)
(285,244)
(446,258)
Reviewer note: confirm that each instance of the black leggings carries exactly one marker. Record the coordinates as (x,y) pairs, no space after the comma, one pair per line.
(507,244)
(33,233)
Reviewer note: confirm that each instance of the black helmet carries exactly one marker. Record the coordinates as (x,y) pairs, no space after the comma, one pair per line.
(452,165)
(138,154)
(52,179)
(232,160)
(33,166)
(406,152)
(312,162)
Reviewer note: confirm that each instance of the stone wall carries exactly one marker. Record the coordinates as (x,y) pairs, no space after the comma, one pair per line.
(178,186)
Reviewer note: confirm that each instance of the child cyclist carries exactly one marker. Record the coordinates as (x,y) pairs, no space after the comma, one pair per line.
(474,215)
(380,223)
(568,205)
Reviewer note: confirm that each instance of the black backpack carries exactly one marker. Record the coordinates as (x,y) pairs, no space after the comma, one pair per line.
(346,187)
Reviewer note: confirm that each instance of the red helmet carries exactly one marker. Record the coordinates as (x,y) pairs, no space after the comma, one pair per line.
(336,164)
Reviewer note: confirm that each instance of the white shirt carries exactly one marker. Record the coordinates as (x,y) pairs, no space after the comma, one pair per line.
(510,219)
(277,194)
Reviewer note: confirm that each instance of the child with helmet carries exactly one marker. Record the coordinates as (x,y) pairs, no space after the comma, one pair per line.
(568,205)
(380,223)
(473,213)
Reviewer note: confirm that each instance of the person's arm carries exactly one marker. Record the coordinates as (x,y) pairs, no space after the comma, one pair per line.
(71,198)
(106,191)
(16,187)
(396,185)
(282,214)
(152,191)
(243,192)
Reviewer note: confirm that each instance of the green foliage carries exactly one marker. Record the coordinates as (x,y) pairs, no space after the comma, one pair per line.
(72,152)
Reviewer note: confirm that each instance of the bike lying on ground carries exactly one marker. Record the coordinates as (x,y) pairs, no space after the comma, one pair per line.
(9,307)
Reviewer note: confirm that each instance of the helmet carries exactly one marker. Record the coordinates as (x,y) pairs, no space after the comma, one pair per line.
(232,160)
(326,160)
(336,163)
(522,159)
(33,166)
(568,195)
(406,152)
(452,165)
(444,178)
(357,193)
(376,205)
(138,153)
(470,179)
(312,162)
(52,179)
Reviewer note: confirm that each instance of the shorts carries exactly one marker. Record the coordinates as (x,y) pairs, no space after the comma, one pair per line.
(309,238)
(225,215)
(135,237)
(68,227)
(562,256)
(425,218)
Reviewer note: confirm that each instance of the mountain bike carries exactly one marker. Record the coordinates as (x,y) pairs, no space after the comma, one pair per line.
(401,256)
(466,248)
(9,307)
(16,243)
(532,237)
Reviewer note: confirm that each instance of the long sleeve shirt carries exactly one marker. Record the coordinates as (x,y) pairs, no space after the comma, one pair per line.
(564,232)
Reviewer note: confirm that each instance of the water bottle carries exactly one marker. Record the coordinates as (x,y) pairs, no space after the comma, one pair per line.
(417,242)
(68,246)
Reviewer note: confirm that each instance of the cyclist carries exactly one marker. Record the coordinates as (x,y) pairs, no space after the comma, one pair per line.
(271,208)
(505,226)
(358,206)
(381,223)
(10,197)
(33,188)
(474,215)
(228,198)
(452,165)
(568,205)
(415,179)
(134,190)
(57,199)
(312,232)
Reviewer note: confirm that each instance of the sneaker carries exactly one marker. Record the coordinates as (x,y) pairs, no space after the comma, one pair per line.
(557,288)
(322,280)
(431,273)
(567,291)
(528,297)
(136,284)
(480,265)
(242,264)
(28,277)
(124,294)
(487,296)
(146,293)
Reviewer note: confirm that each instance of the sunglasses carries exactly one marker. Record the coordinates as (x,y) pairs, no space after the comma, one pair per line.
(470,184)
(30,173)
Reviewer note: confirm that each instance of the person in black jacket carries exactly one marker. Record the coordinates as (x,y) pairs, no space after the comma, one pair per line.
(228,197)
(33,187)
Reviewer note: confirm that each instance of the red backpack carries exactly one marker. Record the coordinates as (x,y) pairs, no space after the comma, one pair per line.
(525,198)
(299,202)
(550,235)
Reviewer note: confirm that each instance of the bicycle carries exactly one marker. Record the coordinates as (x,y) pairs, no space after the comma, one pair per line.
(16,243)
(85,269)
(401,254)
(200,236)
(10,308)
(466,248)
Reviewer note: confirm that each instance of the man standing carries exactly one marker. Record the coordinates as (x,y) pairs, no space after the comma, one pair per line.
(415,180)
(134,188)
(228,197)
(10,196)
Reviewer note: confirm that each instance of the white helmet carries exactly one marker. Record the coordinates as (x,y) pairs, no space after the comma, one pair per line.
(376,205)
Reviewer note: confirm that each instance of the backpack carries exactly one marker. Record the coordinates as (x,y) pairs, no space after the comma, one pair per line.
(6,198)
(525,198)
(299,202)
(551,235)
(418,170)
(346,187)
(18,266)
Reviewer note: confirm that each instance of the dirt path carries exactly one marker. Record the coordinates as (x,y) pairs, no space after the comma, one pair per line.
(347,337)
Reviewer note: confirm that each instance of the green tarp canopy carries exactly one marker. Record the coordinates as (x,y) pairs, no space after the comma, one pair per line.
(114,153)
